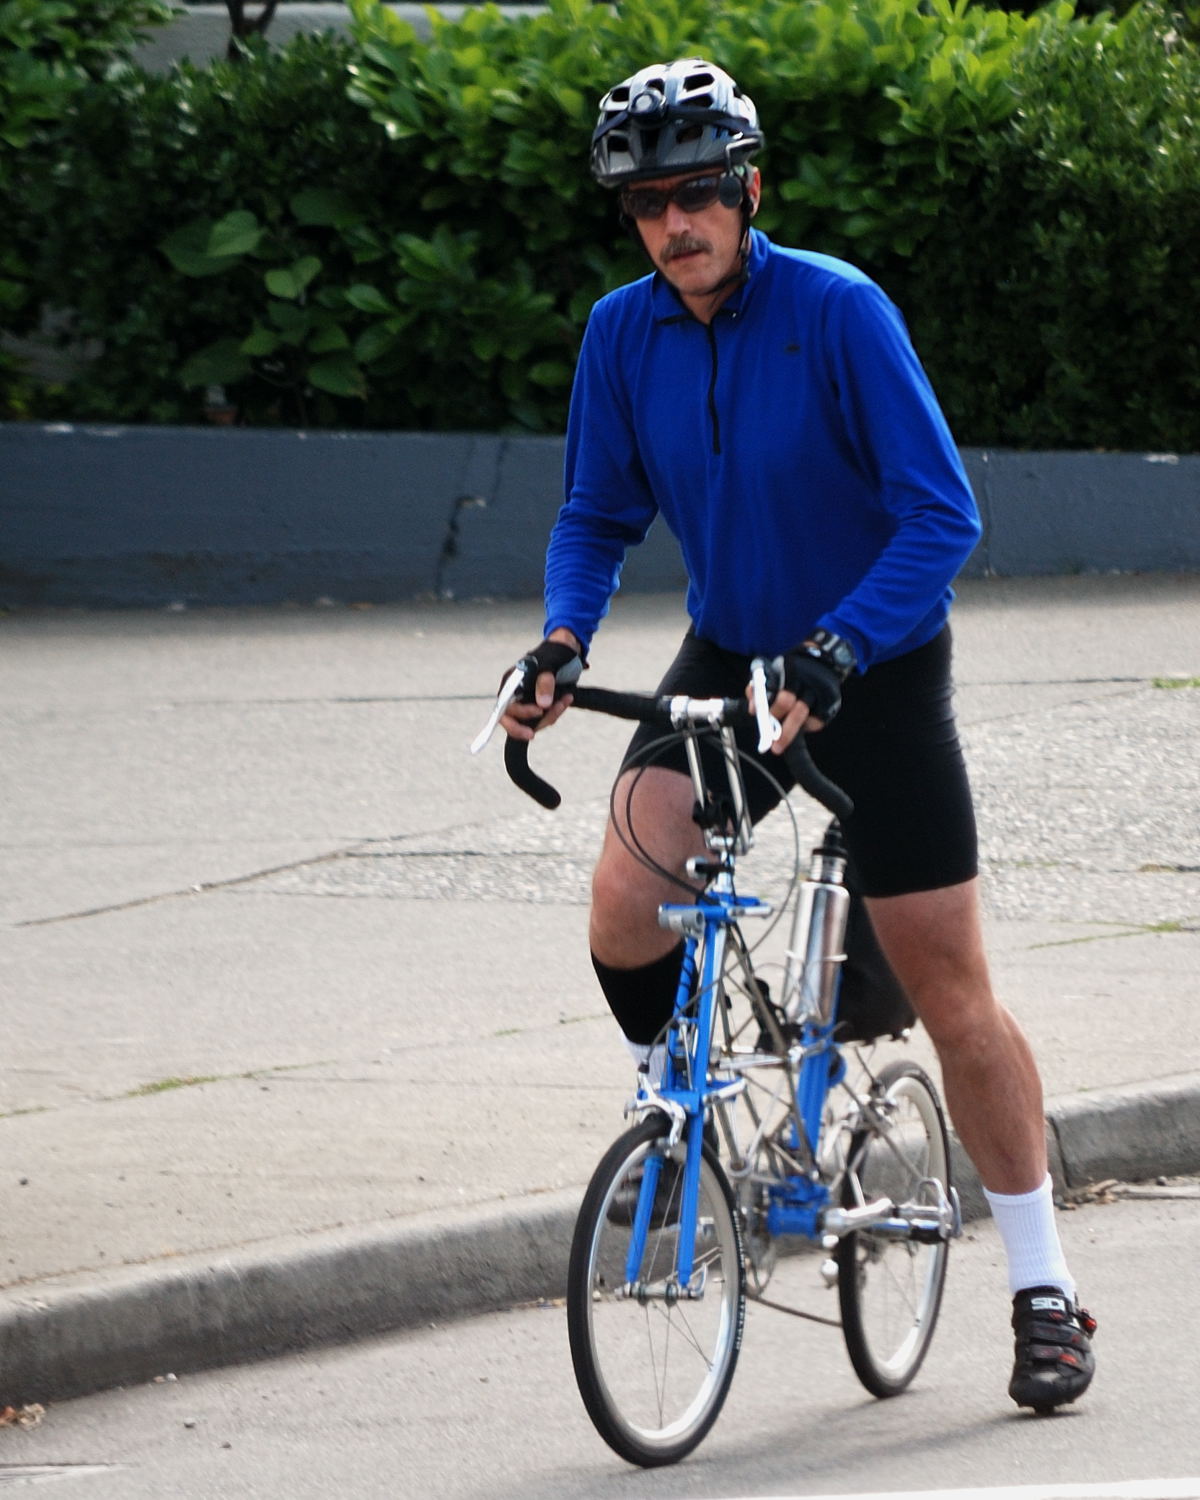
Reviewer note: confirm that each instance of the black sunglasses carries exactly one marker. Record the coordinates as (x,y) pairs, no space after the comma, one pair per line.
(691,196)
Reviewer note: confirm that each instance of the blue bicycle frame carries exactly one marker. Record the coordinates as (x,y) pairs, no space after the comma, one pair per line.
(687,1091)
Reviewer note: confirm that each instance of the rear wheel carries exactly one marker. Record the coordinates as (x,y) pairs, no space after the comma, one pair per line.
(654,1361)
(889,1285)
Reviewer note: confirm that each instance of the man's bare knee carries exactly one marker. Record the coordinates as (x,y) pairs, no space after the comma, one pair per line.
(624,919)
(629,887)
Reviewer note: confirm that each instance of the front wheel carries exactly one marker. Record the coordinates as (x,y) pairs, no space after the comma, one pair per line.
(653,1359)
(890,1286)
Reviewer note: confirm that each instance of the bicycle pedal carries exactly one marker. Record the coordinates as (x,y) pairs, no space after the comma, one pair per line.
(789,1031)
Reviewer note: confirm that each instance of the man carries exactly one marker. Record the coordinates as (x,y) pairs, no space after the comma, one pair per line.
(768,405)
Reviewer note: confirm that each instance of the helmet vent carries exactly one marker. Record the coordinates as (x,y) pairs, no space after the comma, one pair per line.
(700,83)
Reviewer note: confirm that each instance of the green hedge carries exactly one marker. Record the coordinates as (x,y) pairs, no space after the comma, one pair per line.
(50,52)
(390,232)
(137,160)
(1059,303)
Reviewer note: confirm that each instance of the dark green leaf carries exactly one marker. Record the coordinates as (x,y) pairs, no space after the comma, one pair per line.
(222,363)
(237,233)
(368,299)
(339,375)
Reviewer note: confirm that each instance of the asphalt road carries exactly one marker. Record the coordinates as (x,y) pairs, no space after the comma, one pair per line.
(488,1407)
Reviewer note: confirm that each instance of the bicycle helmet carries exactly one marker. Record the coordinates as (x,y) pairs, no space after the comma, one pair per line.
(671,117)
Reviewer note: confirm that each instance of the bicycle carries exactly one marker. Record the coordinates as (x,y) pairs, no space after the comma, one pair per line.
(751,1133)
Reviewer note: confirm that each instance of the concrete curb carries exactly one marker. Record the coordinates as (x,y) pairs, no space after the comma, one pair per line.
(68,1337)
(1144,1130)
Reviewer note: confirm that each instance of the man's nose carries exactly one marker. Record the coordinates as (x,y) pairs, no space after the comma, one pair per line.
(676,221)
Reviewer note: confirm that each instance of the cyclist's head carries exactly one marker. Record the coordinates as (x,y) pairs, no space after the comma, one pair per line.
(683,134)
(671,118)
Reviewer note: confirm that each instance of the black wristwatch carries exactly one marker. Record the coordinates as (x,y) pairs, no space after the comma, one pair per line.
(833,651)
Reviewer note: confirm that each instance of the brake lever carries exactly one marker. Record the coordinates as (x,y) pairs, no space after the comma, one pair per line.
(509,689)
(769,727)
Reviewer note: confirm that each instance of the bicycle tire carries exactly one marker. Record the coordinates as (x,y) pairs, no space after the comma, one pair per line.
(890,1288)
(653,1373)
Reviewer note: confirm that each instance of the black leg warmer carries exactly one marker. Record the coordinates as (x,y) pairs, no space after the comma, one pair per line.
(641,999)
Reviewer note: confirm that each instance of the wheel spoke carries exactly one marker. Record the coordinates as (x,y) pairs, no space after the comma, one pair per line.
(890,1286)
(654,1367)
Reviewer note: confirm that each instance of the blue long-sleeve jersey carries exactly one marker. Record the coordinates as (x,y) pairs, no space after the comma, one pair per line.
(793,446)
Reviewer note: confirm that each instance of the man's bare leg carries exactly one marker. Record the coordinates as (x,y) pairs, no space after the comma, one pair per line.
(934,941)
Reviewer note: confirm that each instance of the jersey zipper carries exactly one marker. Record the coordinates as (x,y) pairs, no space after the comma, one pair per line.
(710,330)
(712,388)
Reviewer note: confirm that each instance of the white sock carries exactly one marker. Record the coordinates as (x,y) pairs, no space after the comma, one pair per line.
(1030,1234)
(653,1057)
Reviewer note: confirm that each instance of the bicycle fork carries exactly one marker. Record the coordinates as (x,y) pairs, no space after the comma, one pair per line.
(687,1091)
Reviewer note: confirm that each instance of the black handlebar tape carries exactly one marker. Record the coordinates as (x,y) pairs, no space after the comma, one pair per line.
(602,700)
(516,763)
(645,708)
(816,783)
(638,706)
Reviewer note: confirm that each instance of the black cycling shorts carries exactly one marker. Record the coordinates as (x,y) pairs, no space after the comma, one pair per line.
(893,748)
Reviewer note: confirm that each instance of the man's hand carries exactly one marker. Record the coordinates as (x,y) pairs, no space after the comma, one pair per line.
(558,662)
(808,698)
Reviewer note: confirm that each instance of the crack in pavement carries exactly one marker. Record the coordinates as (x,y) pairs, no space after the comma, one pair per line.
(192,890)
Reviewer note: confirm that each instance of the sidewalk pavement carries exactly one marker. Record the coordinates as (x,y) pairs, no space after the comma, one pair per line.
(300,1036)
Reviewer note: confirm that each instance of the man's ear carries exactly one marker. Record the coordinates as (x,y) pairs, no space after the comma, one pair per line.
(754,190)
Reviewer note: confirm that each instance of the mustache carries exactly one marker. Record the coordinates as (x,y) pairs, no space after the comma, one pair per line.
(683,244)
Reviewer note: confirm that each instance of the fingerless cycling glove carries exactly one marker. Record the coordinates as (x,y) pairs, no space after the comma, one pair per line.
(549,656)
(812,682)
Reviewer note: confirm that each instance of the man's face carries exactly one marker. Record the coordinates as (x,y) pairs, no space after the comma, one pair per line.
(695,251)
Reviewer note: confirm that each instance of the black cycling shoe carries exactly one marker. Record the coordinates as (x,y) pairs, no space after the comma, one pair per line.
(667,1195)
(664,1213)
(1054,1360)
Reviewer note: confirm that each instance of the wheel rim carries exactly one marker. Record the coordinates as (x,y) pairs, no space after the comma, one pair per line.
(662,1366)
(897,1282)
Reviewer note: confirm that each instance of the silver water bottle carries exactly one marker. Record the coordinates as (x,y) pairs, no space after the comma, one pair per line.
(818,941)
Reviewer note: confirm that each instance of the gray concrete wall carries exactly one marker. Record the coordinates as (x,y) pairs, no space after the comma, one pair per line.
(152,516)
(1085,512)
